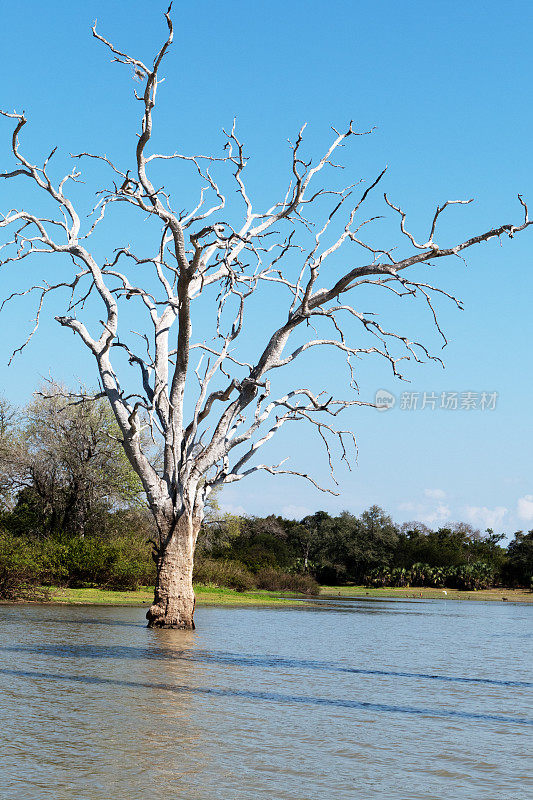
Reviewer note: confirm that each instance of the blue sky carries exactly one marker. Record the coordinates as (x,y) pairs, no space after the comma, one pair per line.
(447,86)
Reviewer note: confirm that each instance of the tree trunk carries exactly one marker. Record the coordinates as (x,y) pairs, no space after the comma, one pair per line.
(174,601)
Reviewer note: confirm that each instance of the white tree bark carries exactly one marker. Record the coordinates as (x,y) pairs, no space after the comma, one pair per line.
(199,254)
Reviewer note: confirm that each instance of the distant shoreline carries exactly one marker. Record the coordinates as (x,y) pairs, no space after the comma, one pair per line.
(214,595)
(426,593)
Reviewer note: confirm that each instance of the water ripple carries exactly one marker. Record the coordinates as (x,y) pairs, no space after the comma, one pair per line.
(244,660)
(273,697)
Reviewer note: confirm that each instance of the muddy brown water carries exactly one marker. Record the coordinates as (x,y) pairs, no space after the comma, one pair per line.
(346,700)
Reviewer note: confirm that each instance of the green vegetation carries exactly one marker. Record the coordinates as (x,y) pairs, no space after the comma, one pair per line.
(248,555)
(205,595)
(371,551)
(216,595)
(71,516)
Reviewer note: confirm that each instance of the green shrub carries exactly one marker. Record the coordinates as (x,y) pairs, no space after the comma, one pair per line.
(466,577)
(285,582)
(234,575)
(470,577)
(120,563)
(22,569)
(223,573)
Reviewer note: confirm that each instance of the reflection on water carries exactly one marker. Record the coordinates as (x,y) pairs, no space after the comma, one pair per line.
(240,659)
(273,696)
(344,701)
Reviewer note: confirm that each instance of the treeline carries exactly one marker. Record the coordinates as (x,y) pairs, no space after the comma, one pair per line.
(72,513)
(371,550)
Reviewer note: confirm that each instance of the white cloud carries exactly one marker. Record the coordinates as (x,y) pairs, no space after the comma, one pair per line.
(525,507)
(437,515)
(488,517)
(295,512)
(425,512)
(435,494)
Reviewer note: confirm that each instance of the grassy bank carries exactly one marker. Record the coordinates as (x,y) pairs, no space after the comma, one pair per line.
(425,593)
(205,595)
(214,595)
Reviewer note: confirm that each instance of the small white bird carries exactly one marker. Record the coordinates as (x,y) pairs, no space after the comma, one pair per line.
(445,592)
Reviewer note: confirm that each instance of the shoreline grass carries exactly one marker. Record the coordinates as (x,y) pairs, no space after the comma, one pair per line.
(205,595)
(216,595)
(427,593)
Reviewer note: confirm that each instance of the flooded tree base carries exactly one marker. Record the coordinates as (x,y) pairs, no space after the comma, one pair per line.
(172,615)
(161,622)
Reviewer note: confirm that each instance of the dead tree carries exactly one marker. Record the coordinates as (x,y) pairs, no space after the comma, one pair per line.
(213,417)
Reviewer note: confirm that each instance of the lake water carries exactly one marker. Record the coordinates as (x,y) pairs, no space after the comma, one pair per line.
(353,700)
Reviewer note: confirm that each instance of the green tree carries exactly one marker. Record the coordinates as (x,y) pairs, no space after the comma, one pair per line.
(373,542)
(70,467)
(344,548)
(519,568)
(487,549)
(261,543)
(445,547)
